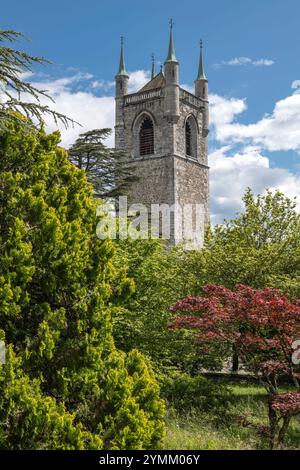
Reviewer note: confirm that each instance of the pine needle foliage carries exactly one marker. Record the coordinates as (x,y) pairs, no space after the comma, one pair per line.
(106,168)
(13,88)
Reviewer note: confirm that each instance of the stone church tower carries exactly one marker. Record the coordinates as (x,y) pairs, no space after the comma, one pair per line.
(163,130)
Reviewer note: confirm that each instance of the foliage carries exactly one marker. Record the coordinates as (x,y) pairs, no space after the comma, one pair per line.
(12,64)
(141,321)
(186,393)
(31,420)
(283,407)
(241,428)
(57,283)
(257,247)
(261,325)
(260,247)
(106,168)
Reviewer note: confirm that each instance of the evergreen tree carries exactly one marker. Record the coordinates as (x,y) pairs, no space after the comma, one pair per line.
(106,168)
(57,283)
(13,63)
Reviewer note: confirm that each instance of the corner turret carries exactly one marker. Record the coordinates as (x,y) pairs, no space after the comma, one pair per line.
(171,69)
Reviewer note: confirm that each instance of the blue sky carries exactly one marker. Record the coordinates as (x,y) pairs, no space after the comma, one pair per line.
(251,60)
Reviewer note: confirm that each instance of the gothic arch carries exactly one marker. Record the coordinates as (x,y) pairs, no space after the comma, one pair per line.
(191,132)
(143,134)
(136,121)
(192,116)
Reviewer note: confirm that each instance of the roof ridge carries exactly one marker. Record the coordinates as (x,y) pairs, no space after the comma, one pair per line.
(156,82)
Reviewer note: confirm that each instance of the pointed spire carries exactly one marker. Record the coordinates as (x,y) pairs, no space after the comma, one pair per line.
(171,52)
(122,69)
(153,73)
(201,72)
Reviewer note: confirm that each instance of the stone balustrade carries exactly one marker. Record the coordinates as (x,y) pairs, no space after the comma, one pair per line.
(147,95)
(190,98)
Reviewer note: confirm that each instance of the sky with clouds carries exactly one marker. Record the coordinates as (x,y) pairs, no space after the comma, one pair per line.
(251,62)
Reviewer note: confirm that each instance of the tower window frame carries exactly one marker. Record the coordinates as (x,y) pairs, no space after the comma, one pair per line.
(146,137)
(191,137)
(188,139)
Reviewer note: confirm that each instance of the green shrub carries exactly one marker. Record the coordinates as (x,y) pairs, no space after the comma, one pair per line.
(186,393)
(57,286)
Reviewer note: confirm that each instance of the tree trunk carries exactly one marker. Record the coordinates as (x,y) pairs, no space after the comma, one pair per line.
(272,424)
(283,430)
(235,361)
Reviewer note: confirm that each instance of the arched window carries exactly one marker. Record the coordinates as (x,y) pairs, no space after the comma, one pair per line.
(146,137)
(188,138)
(191,137)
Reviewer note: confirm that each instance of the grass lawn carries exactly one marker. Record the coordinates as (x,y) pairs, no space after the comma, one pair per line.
(236,430)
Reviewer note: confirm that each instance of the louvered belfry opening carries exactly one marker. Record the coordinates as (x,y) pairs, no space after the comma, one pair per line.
(147,137)
(188,139)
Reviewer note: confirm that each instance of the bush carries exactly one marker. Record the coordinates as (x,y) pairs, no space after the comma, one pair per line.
(57,285)
(186,393)
(31,420)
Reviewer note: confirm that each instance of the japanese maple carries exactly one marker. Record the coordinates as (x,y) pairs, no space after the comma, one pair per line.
(261,325)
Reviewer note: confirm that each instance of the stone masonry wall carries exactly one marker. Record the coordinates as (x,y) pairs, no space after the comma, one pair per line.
(155,183)
(168,176)
(191,184)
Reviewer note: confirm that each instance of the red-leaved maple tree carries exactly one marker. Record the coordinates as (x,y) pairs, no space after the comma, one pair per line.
(261,326)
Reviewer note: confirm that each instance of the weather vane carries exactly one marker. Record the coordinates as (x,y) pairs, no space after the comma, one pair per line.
(171,23)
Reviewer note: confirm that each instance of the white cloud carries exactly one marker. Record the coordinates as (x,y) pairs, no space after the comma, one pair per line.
(223,112)
(57,86)
(103,85)
(90,111)
(77,96)
(264,62)
(296,86)
(278,131)
(85,107)
(232,172)
(239,61)
(188,88)
(137,80)
(25,75)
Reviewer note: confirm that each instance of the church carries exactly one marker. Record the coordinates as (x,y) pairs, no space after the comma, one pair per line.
(163,131)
